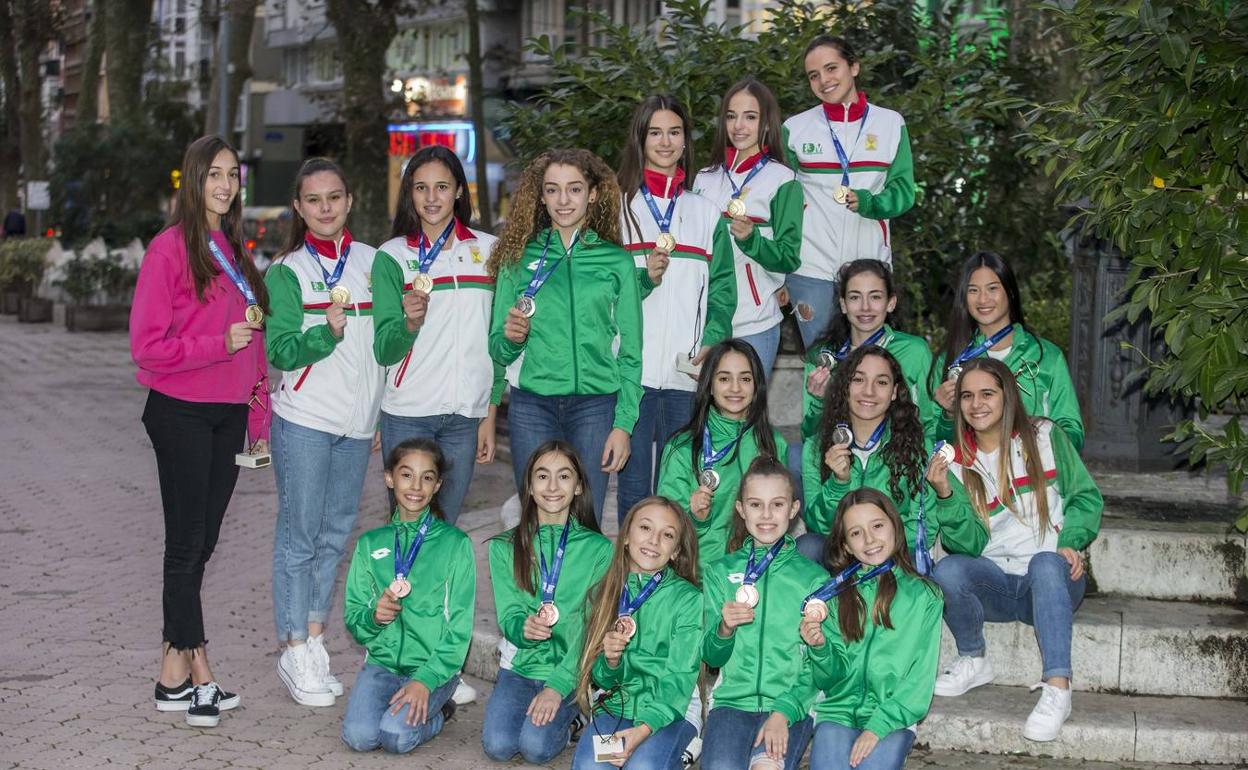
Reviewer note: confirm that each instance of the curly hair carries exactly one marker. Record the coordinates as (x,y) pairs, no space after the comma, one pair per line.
(529,214)
(904,453)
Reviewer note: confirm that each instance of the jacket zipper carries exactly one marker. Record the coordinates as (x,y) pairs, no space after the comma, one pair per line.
(762,630)
(749,276)
(302,377)
(576,374)
(402,627)
(866,657)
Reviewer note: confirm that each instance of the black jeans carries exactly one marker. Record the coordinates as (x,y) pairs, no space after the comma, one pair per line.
(195,445)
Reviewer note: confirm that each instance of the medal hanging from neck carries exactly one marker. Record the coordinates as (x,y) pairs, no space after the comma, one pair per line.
(748,594)
(403,561)
(625,623)
(664,241)
(548,612)
(337,294)
(815,605)
(421,281)
(709,477)
(253,314)
(841,193)
(972,351)
(526,303)
(736,206)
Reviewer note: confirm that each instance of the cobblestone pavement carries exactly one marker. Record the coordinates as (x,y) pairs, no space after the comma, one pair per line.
(80,544)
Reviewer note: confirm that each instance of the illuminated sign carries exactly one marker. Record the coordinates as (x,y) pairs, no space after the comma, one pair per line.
(407,138)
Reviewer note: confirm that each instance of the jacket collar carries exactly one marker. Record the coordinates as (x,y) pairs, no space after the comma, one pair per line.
(329,249)
(462,233)
(730,158)
(837,111)
(662,186)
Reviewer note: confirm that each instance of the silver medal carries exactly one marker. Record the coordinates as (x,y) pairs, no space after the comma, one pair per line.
(826,359)
(954,373)
(946,451)
(709,478)
(842,435)
(526,305)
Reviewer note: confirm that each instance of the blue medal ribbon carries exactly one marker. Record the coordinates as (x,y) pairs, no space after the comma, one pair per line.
(664,221)
(331,279)
(736,191)
(873,440)
(403,561)
(839,584)
(922,555)
(427,257)
(231,270)
(542,273)
(629,604)
(550,576)
(710,457)
(836,143)
(753,570)
(975,351)
(841,353)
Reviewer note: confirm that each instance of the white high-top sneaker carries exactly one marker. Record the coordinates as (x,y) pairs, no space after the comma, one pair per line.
(464,693)
(1047,718)
(298,671)
(965,673)
(321,658)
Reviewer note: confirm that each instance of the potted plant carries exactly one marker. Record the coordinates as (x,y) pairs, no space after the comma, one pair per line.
(22,264)
(99,289)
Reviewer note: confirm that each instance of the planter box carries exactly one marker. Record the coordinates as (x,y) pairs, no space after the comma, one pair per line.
(97,318)
(35,310)
(11,302)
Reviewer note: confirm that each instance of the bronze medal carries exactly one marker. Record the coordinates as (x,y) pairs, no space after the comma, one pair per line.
(548,613)
(400,587)
(747,594)
(626,626)
(253,314)
(816,610)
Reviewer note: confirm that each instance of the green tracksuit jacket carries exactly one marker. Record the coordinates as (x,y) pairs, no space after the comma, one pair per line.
(553,661)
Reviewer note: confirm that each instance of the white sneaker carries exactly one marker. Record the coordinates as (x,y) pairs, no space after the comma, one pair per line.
(298,671)
(1049,715)
(464,693)
(966,673)
(321,657)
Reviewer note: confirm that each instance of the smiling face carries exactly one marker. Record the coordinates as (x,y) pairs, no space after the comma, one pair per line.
(323,204)
(831,78)
(732,387)
(869,534)
(986,299)
(652,539)
(767,506)
(866,302)
(553,484)
(871,389)
(415,481)
(434,191)
(220,187)
(567,195)
(982,401)
(741,122)
(665,142)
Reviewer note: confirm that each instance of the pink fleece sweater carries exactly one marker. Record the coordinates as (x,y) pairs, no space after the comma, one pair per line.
(178,342)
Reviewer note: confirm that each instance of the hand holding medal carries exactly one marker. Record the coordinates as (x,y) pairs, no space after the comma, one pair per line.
(387,608)
(625,622)
(415,306)
(938,469)
(336,313)
(656,263)
(700,502)
(838,456)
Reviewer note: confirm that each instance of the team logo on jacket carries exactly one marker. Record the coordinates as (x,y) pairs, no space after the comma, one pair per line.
(476,254)
(413,264)
(812,148)
(380,553)
(532,266)
(872,140)
(736,577)
(318,286)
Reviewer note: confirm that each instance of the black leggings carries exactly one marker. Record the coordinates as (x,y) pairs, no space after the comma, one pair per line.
(195,445)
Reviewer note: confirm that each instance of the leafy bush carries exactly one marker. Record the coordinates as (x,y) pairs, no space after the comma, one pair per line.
(98,280)
(22,263)
(1156,148)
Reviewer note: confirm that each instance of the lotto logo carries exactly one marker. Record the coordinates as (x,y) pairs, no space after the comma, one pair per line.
(812,148)
(380,553)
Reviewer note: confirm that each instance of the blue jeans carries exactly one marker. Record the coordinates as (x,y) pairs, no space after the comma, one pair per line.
(728,739)
(811,546)
(794,463)
(766,344)
(368,722)
(508,731)
(456,436)
(815,304)
(662,413)
(661,751)
(583,421)
(977,590)
(833,743)
(319,480)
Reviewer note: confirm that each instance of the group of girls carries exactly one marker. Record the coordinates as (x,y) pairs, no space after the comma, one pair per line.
(634,319)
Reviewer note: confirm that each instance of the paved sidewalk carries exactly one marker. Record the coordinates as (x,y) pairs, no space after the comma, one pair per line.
(81,545)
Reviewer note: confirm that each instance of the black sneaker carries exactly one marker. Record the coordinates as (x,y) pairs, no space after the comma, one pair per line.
(176,698)
(579,723)
(448,710)
(207,703)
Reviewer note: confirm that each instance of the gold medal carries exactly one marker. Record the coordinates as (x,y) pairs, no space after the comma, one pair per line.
(422,282)
(340,295)
(736,207)
(254,314)
(841,194)
(665,242)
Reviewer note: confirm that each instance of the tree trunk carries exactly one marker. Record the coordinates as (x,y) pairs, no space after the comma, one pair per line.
(128,23)
(89,95)
(476,97)
(10,118)
(364,34)
(33,25)
(242,20)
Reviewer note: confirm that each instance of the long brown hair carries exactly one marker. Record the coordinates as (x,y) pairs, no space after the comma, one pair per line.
(298,227)
(406,218)
(769,132)
(604,597)
(190,212)
(529,215)
(763,465)
(1014,422)
(523,558)
(851,609)
(633,162)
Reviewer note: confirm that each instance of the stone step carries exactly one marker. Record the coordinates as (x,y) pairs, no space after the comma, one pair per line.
(1149,557)
(1133,645)
(1102,727)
